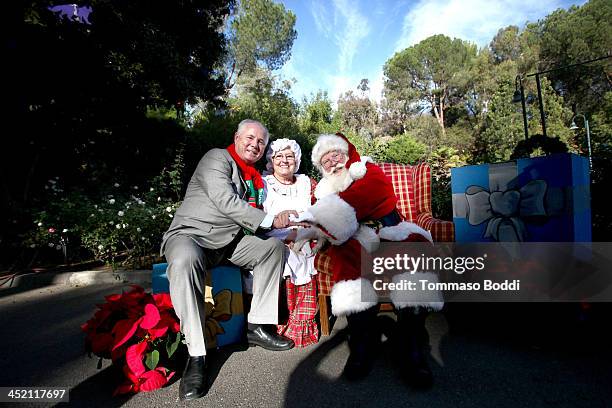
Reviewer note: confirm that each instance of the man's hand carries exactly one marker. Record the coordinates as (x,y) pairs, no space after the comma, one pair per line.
(291,237)
(281,220)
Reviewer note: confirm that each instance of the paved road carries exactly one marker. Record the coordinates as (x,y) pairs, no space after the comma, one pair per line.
(476,360)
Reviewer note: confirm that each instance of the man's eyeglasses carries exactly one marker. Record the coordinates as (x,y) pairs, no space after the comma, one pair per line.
(335,157)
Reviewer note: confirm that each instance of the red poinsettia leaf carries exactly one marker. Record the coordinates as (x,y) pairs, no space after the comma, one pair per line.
(130,375)
(171,321)
(124,330)
(118,353)
(151,317)
(153,380)
(163,301)
(123,389)
(112,298)
(101,343)
(158,331)
(133,358)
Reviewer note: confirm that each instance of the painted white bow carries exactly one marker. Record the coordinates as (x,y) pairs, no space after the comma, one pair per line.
(504,210)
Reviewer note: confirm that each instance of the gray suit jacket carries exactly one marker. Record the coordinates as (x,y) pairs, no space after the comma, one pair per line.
(215,207)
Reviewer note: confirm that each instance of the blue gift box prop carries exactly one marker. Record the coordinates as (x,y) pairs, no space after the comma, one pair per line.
(540,199)
(222,277)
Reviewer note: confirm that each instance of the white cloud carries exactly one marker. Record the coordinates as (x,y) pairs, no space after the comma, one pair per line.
(474,20)
(348,39)
(321,18)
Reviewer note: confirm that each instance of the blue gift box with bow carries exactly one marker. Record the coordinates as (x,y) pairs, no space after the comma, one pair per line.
(540,199)
(225,319)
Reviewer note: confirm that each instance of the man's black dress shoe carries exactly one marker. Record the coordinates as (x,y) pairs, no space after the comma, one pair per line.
(194,383)
(258,335)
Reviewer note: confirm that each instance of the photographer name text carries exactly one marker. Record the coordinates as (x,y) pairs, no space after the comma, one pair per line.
(426,285)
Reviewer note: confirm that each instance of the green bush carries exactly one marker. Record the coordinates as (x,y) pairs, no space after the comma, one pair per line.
(122,227)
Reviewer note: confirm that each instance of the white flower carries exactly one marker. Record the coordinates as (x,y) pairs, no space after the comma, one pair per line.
(40,224)
(124,225)
(135,187)
(153,216)
(33,246)
(116,184)
(65,230)
(151,189)
(169,209)
(138,229)
(51,244)
(121,213)
(100,247)
(111,201)
(170,215)
(95,205)
(118,226)
(158,198)
(111,222)
(142,238)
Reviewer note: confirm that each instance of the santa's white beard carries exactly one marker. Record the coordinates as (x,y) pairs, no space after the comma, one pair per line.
(337,178)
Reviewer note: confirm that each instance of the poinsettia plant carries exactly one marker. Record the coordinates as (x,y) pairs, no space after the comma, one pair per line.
(140,333)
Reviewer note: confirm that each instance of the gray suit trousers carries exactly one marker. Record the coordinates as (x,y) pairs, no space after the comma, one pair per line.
(187,265)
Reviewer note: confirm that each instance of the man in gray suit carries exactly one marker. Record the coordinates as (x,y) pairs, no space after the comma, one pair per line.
(216,223)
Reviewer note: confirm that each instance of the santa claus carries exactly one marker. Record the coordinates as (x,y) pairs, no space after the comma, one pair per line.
(355,210)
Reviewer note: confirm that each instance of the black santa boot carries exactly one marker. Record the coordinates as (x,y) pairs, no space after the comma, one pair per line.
(363,334)
(413,347)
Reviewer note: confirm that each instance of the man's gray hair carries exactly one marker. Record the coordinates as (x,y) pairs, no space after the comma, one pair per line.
(246,122)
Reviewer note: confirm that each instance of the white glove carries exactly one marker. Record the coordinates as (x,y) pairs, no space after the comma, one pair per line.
(304,216)
(308,234)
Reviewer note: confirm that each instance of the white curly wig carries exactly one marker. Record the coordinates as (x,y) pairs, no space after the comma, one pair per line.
(281,144)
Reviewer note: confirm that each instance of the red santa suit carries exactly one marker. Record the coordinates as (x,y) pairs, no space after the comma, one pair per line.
(344,205)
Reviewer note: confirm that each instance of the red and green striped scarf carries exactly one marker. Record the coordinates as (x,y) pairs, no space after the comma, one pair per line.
(252,178)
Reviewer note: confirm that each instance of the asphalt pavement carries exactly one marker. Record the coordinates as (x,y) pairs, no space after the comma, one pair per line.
(482,356)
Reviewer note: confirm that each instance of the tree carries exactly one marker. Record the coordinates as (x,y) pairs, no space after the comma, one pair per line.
(430,74)
(81,90)
(506,45)
(358,113)
(317,115)
(261,35)
(261,96)
(576,35)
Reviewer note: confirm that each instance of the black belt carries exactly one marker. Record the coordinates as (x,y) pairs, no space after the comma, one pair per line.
(389,220)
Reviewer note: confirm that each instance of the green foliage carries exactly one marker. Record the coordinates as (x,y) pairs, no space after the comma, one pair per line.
(538,145)
(576,35)
(95,115)
(358,114)
(125,225)
(441,161)
(261,35)
(317,115)
(404,149)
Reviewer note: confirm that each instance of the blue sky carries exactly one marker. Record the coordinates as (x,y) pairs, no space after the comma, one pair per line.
(340,42)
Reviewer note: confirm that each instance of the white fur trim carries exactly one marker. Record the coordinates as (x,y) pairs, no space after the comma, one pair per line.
(402,230)
(431,300)
(358,169)
(326,143)
(332,184)
(367,238)
(336,216)
(352,296)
